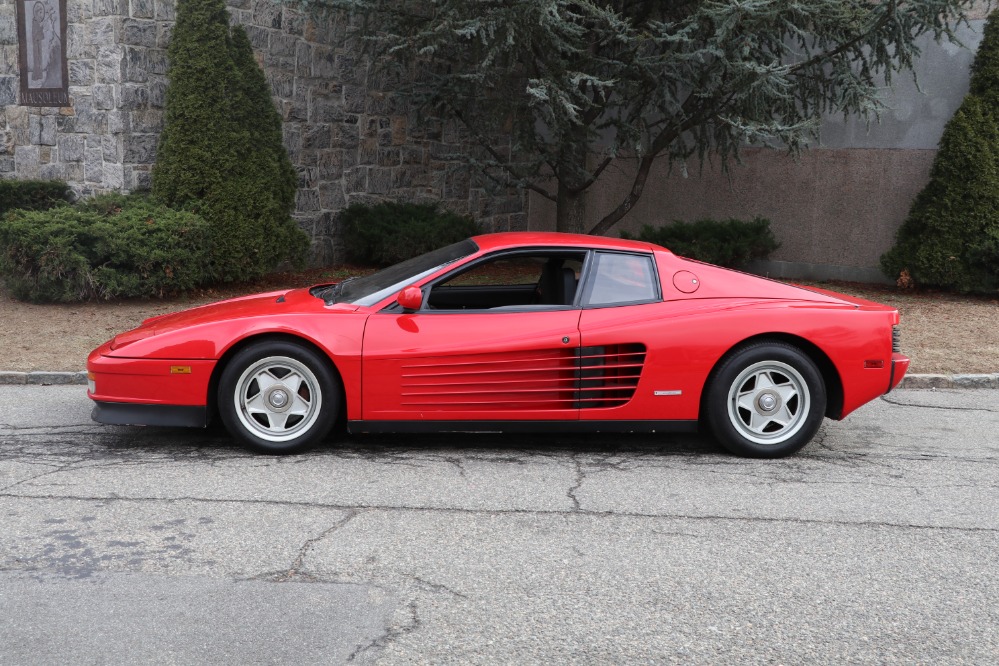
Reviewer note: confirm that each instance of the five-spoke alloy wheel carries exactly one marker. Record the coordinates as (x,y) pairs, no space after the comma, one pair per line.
(765,400)
(278,397)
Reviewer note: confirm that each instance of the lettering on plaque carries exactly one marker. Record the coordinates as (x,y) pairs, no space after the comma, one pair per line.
(41,32)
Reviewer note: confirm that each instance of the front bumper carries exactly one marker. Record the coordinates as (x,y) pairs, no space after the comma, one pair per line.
(125,413)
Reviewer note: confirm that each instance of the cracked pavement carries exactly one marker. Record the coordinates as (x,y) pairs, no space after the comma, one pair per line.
(878,542)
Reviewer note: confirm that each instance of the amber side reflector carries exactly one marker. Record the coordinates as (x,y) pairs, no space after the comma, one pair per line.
(180,369)
(870,365)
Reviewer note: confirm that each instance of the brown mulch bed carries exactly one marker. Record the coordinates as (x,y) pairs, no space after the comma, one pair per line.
(942,333)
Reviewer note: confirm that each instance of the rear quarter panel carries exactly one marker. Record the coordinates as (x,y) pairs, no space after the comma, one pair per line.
(687,338)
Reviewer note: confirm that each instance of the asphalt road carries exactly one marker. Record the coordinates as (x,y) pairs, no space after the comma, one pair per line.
(876,544)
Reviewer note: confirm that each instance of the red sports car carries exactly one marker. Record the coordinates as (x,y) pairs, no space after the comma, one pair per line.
(511,332)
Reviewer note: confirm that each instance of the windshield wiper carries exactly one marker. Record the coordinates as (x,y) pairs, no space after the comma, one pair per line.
(332,292)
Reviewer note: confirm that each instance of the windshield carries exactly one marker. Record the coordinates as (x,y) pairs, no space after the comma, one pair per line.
(371,289)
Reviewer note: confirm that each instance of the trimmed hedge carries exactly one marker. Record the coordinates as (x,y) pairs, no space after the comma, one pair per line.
(108,247)
(32,194)
(387,233)
(951,237)
(729,243)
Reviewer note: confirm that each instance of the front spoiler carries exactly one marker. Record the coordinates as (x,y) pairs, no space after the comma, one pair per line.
(126,413)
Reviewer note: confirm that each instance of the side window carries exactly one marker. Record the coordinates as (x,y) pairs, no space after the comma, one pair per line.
(620,278)
(541,280)
(507,271)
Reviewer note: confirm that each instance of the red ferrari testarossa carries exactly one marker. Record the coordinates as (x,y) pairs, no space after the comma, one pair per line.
(514,332)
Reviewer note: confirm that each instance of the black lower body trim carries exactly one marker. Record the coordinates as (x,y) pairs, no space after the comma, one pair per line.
(127,413)
(376,427)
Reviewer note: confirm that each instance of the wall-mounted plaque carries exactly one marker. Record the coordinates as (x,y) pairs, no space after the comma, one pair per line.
(41,32)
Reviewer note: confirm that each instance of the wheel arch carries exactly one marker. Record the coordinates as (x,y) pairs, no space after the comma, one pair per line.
(830,376)
(223,362)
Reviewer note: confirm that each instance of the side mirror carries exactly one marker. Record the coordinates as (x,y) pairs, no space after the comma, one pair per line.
(410,298)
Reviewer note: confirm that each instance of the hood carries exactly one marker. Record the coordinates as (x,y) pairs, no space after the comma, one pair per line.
(272,303)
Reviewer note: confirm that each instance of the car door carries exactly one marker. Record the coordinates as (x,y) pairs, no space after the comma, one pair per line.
(622,319)
(500,350)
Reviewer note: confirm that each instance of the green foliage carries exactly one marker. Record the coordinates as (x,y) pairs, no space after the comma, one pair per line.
(387,233)
(951,237)
(729,243)
(32,194)
(574,79)
(221,152)
(108,247)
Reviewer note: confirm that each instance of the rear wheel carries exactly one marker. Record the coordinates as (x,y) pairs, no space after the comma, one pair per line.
(278,397)
(766,400)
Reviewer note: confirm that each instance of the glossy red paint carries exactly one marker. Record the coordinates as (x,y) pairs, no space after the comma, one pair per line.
(643,361)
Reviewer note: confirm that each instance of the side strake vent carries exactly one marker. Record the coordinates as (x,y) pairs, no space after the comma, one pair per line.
(587,378)
(896,339)
(609,375)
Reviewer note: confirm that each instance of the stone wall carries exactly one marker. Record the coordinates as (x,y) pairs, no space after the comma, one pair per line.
(350,139)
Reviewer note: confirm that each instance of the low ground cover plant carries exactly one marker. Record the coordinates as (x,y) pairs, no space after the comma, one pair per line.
(33,194)
(112,246)
(730,243)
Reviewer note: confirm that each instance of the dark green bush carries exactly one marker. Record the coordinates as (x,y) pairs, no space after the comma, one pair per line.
(951,237)
(387,233)
(728,243)
(108,247)
(32,194)
(221,152)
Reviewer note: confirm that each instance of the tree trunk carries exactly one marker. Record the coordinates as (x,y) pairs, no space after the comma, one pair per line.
(570,210)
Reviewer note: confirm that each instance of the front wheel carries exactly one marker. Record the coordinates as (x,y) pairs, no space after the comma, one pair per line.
(766,400)
(278,397)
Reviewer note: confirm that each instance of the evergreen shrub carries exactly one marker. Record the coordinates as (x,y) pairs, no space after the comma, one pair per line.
(730,243)
(32,194)
(112,246)
(221,152)
(387,233)
(951,237)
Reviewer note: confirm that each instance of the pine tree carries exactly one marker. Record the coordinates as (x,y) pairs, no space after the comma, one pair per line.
(951,237)
(582,82)
(220,152)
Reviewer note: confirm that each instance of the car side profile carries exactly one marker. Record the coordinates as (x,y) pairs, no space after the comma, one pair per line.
(511,332)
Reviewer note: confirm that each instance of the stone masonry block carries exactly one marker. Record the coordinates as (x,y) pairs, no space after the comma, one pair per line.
(93,163)
(110,7)
(8,60)
(26,159)
(135,64)
(70,148)
(109,64)
(103,96)
(166,10)
(8,29)
(81,72)
(140,148)
(142,8)
(8,88)
(138,32)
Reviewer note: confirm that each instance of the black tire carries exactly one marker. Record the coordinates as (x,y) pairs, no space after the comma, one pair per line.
(295,410)
(765,400)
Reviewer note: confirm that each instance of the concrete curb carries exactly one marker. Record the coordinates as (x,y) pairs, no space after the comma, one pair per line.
(39,378)
(950,382)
